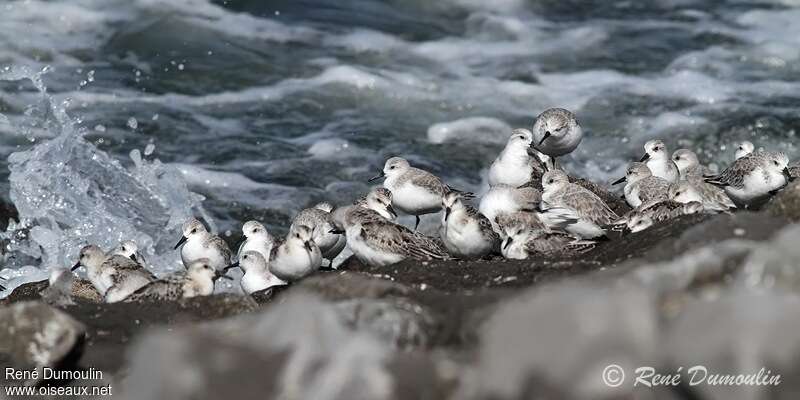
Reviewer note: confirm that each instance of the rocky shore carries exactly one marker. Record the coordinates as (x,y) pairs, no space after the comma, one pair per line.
(719,291)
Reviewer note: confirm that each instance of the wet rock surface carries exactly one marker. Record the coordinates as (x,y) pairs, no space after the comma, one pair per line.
(487,329)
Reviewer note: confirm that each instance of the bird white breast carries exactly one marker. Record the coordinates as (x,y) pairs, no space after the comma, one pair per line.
(664,169)
(585,229)
(132,284)
(415,200)
(194,250)
(510,170)
(366,253)
(556,146)
(100,278)
(260,246)
(632,195)
(756,187)
(465,240)
(496,202)
(255,281)
(295,264)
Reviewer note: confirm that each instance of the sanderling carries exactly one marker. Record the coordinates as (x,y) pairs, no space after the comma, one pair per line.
(529,219)
(742,149)
(115,277)
(466,232)
(688,164)
(659,161)
(256,238)
(521,242)
(753,177)
(130,249)
(556,132)
(199,243)
(297,257)
(378,199)
(506,199)
(197,280)
(639,220)
(414,191)
(518,163)
(377,241)
(696,190)
(562,199)
(641,186)
(323,231)
(256,272)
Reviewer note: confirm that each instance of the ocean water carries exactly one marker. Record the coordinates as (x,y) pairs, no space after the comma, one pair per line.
(242,110)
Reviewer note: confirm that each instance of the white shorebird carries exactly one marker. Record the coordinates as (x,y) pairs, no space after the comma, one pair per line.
(742,149)
(712,200)
(641,186)
(659,161)
(564,200)
(521,242)
(376,241)
(197,280)
(506,199)
(378,199)
(257,275)
(297,257)
(518,163)
(754,177)
(414,191)
(256,238)
(198,243)
(130,249)
(688,164)
(465,232)
(323,230)
(556,132)
(115,277)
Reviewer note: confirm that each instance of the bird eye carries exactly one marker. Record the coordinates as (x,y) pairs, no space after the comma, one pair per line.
(677,193)
(194,230)
(551,181)
(244,256)
(776,163)
(392,167)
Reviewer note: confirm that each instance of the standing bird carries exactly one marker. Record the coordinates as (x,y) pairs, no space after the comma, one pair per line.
(569,201)
(323,230)
(465,232)
(742,149)
(256,272)
(198,280)
(556,132)
(198,243)
(518,163)
(414,191)
(115,277)
(754,177)
(297,257)
(659,161)
(641,186)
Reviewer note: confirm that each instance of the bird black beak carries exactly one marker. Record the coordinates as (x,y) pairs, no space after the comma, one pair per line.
(446,213)
(645,157)
(336,231)
(508,243)
(76,266)
(234,265)
(180,242)
(307,246)
(788,174)
(546,135)
(379,176)
(391,211)
(620,180)
(133,257)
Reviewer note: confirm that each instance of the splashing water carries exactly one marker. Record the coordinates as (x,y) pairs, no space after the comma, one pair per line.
(69,194)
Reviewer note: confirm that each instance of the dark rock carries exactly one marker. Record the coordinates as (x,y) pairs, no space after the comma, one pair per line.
(7,212)
(37,335)
(787,202)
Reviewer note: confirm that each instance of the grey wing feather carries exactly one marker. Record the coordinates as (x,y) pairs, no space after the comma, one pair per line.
(217,241)
(589,205)
(735,173)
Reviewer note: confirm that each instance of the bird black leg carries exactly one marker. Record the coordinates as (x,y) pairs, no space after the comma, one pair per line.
(417,224)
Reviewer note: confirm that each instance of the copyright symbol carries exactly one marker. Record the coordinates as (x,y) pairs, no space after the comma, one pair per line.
(613,375)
